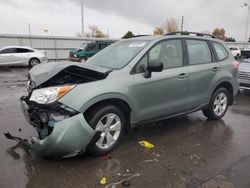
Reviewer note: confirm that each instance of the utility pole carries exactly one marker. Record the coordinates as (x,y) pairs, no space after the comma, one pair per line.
(182,22)
(82,17)
(248,10)
(30,35)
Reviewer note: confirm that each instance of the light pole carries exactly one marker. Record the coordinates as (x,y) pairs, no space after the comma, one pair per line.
(82,18)
(248,10)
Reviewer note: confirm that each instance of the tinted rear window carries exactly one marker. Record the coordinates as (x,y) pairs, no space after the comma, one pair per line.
(23,50)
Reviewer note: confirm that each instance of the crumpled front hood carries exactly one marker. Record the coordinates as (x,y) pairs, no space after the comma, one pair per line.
(245,67)
(45,71)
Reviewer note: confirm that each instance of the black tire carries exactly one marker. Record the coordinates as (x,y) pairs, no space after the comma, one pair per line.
(237,56)
(95,116)
(209,112)
(83,60)
(33,62)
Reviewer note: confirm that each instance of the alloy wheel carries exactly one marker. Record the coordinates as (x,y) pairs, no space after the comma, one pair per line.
(109,127)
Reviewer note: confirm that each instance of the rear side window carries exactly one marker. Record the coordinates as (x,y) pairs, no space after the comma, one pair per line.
(23,50)
(220,50)
(8,51)
(199,52)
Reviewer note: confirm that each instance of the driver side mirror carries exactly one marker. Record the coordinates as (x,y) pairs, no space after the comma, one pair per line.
(153,67)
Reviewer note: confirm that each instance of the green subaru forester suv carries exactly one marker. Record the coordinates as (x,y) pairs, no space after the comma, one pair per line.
(87,107)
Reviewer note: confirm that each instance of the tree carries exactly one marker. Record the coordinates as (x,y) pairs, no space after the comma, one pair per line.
(219,33)
(230,39)
(129,34)
(159,30)
(96,32)
(171,25)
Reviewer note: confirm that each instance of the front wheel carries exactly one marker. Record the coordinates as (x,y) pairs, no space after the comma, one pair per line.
(218,104)
(108,123)
(83,60)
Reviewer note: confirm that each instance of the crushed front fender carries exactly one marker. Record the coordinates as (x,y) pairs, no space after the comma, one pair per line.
(68,138)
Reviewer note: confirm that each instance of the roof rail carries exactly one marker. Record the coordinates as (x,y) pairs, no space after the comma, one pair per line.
(190,33)
(139,36)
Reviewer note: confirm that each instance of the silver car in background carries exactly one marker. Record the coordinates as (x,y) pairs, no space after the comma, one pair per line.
(20,55)
(244,74)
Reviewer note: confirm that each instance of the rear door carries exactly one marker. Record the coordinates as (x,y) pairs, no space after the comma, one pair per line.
(164,93)
(23,55)
(201,72)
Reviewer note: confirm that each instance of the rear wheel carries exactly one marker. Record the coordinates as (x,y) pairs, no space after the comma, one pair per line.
(33,62)
(109,123)
(218,104)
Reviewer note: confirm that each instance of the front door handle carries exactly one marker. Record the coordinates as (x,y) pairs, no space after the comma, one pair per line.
(215,69)
(182,76)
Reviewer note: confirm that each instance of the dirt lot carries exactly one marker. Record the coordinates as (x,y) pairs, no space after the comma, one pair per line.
(189,151)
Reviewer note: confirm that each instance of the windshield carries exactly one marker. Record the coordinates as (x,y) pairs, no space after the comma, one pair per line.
(118,54)
(83,45)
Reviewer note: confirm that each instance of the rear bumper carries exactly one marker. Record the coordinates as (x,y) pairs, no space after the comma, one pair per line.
(244,84)
(68,138)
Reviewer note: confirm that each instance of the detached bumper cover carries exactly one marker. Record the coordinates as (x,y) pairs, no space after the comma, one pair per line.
(69,137)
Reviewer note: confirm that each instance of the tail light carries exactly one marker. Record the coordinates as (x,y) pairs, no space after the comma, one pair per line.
(236,65)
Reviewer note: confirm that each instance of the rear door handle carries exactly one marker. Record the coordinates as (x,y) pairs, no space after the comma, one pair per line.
(215,69)
(182,76)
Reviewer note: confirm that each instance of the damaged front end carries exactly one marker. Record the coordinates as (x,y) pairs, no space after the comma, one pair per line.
(62,131)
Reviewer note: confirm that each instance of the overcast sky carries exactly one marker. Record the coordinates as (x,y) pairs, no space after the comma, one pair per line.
(63,17)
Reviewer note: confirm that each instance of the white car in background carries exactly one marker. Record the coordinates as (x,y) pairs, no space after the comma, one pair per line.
(235,51)
(20,55)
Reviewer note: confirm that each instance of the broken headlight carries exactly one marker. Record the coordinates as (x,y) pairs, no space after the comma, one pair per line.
(50,94)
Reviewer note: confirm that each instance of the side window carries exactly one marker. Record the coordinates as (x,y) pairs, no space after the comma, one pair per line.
(220,50)
(142,65)
(91,47)
(199,52)
(8,51)
(102,46)
(22,50)
(168,52)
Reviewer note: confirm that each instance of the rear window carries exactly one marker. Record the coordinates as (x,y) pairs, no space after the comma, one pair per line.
(220,50)
(199,52)
(23,50)
(233,48)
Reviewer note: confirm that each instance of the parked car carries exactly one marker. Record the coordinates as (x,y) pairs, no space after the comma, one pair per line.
(236,51)
(87,50)
(245,53)
(21,55)
(87,107)
(244,74)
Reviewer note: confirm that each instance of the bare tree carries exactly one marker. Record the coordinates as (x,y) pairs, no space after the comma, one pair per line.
(171,25)
(219,33)
(159,30)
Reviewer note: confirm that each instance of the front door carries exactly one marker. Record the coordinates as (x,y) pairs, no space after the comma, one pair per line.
(164,93)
